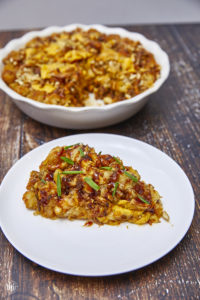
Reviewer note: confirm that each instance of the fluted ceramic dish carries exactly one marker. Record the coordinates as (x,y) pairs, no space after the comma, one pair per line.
(90,116)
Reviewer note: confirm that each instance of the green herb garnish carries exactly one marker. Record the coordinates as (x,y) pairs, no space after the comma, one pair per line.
(131,176)
(115,189)
(67,147)
(99,152)
(58,185)
(106,168)
(81,152)
(91,183)
(43,180)
(143,200)
(117,160)
(68,160)
(72,172)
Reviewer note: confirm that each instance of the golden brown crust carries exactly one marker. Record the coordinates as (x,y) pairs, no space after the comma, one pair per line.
(64,68)
(119,195)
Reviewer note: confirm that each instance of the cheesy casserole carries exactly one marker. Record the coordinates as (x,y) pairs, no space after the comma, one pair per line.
(75,182)
(72,68)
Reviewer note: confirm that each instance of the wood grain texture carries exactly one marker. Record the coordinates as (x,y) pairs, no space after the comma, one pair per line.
(171,122)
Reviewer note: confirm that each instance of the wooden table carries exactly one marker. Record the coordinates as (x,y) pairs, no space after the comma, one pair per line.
(171,122)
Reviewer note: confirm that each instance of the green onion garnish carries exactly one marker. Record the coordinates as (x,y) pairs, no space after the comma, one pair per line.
(117,160)
(43,180)
(99,152)
(81,152)
(115,189)
(58,185)
(106,168)
(143,200)
(91,183)
(67,147)
(68,160)
(72,172)
(131,176)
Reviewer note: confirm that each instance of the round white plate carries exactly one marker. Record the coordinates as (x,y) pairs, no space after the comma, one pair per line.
(69,247)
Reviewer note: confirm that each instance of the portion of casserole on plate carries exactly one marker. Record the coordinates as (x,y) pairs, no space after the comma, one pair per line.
(75,182)
(80,68)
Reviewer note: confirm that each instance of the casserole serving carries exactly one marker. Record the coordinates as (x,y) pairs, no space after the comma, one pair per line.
(118,94)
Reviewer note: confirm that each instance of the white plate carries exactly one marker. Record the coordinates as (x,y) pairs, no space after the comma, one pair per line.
(90,116)
(67,246)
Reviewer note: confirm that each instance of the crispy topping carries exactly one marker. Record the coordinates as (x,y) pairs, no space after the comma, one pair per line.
(96,188)
(80,68)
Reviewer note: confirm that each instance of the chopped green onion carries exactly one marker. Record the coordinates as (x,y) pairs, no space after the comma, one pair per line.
(143,200)
(68,160)
(67,147)
(115,189)
(99,152)
(81,152)
(131,176)
(91,183)
(72,172)
(106,168)
(43,180)
(117,160)
(58,185)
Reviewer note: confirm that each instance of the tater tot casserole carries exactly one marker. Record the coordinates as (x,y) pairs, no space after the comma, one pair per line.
(80,68)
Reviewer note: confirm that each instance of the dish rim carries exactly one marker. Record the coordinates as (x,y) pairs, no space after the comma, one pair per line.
(16,44)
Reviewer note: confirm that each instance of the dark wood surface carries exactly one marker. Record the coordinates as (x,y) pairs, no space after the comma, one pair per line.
(171,122)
